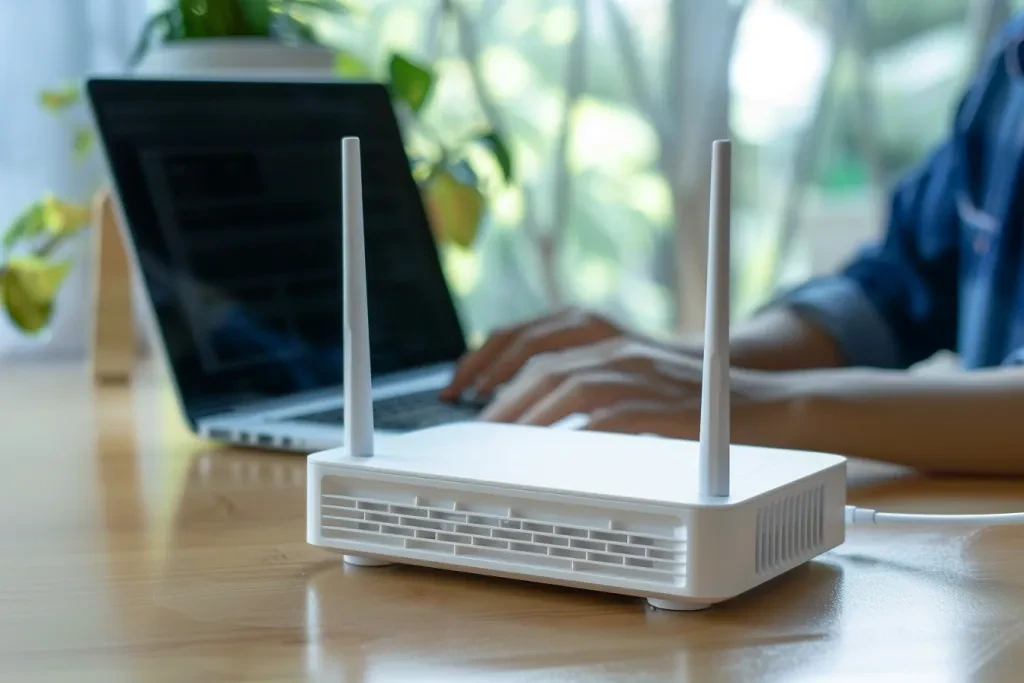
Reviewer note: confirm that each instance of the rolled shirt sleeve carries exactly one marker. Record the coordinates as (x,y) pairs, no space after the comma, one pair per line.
(839,307)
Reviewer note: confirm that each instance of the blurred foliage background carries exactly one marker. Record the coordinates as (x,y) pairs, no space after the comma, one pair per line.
(827,101)
(608,109)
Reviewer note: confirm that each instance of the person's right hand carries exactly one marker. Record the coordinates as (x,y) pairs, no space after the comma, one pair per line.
(597,381)
(507,350)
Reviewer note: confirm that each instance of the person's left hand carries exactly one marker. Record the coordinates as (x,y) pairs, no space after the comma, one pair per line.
(629,386)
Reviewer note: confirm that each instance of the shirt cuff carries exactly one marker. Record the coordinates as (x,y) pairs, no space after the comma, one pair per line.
(841,308)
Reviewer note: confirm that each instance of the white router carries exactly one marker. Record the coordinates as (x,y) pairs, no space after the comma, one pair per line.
(683,524)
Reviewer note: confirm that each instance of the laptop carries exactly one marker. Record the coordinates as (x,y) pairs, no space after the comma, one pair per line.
(229,192)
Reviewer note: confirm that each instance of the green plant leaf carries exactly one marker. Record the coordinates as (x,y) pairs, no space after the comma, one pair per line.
(60,98)
(256,15)
(410,82)
(28,223)
(161,21)
(49,215)
(83,143)
(28,287)
(218,18)
(63,218)
(347,65)
(494,142)
(333,6)
(455,208)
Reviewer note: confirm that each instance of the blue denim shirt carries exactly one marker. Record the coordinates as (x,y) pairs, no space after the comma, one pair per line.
(947,273)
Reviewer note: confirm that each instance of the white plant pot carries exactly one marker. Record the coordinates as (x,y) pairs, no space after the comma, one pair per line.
(239,56)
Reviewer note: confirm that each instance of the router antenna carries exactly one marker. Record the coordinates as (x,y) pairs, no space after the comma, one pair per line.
(714,399)
(356,338)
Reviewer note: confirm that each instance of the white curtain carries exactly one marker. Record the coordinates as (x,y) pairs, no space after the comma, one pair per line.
(44,43)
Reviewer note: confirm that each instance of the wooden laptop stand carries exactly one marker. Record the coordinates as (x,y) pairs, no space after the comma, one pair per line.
(114,346)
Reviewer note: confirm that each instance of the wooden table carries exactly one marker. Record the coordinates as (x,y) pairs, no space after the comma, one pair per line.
(131,552)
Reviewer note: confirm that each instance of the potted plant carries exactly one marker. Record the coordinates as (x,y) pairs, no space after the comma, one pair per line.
(32,269)
(204,36)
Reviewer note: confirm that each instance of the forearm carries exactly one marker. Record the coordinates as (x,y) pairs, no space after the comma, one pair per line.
(776,340)
(967,422)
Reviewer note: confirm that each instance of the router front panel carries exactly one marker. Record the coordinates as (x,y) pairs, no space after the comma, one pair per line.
(705,554)
(547,537)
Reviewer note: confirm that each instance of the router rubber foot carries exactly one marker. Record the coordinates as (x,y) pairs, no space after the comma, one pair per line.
(676,605)
(360,561)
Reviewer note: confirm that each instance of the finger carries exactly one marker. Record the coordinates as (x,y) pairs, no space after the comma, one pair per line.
(475,362)
(515,399)
(648,417)
(681,369)
(552,336)
(597,391)
(543,375)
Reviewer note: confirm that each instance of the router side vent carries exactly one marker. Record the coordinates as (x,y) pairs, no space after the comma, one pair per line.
(516,533)
(790,530)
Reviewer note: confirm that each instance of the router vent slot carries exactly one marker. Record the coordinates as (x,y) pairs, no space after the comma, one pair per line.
(790,530)
(647,551)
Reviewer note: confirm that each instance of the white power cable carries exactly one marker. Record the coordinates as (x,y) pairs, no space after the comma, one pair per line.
(859,515)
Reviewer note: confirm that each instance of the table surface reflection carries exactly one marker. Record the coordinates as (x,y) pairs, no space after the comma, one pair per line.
(130,551)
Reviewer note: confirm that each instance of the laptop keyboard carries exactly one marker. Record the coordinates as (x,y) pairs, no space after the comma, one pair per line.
(404,413)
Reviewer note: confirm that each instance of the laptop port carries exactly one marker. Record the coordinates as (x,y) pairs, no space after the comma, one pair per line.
(265,440)
(220,434)
(243,437)
(286,442)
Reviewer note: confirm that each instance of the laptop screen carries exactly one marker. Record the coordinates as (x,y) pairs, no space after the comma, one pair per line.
(231,192)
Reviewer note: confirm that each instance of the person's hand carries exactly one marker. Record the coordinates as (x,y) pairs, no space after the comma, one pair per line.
(507,350)
(594,378)
(636,387)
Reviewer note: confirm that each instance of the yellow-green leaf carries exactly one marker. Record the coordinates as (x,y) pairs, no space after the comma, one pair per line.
(83,143)
(29,223)
(410,82)
(455,208)
(59,98)
(347,65)
(28,287)
(496,145)
(63,218)
(42,277)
